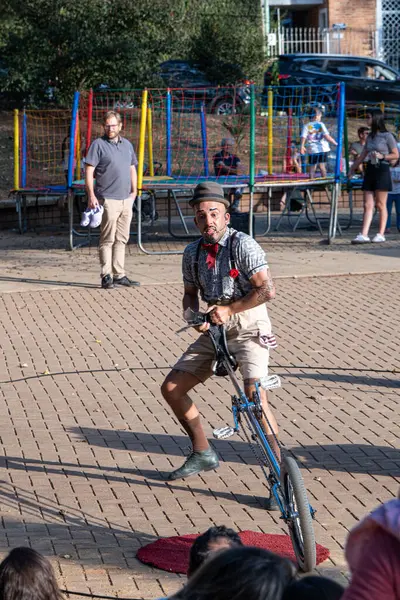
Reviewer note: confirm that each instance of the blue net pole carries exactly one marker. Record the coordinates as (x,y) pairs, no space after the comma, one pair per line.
(341,114)
(169,131)
(23,151)
(204,140)
(71,155)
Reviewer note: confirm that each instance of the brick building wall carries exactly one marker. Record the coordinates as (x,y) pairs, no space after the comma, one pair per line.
(356,14)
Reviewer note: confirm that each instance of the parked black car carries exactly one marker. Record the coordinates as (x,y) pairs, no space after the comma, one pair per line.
(191,88)
(366,79)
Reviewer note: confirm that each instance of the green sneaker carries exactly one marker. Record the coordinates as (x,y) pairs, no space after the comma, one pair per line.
(206,460)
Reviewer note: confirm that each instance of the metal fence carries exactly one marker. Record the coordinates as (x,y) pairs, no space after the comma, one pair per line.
(389,44)
(315,40)
(383,44)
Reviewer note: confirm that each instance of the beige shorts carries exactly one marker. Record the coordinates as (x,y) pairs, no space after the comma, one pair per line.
(244,333)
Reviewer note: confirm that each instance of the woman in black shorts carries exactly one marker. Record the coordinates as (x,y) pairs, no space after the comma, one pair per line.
(379,151)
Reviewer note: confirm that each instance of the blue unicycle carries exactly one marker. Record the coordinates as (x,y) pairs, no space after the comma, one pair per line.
(284,480)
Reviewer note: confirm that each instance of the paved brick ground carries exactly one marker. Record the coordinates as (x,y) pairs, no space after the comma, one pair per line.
(85,434)
(38,262)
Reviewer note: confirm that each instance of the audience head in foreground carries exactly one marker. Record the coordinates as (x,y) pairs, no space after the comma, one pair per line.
(240,573)
(27,575)
(213,540)
(314,588)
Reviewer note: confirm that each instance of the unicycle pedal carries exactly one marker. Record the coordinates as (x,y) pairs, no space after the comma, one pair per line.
(223,433)
(271,382)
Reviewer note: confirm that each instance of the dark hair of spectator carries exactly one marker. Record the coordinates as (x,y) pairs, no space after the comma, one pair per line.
(27,575)
(314,588)
(315,111)
(377,123)
(362,130)
(239,574)
(202,546)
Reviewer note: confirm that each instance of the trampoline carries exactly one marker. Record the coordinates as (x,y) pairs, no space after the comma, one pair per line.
(178,189)
(187,143)
(21,205)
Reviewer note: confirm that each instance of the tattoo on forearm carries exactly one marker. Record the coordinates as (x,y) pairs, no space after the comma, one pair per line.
(265,291)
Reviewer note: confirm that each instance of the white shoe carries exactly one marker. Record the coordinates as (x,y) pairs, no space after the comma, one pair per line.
(379,238)
(361,239)
(96,217)
(86,216)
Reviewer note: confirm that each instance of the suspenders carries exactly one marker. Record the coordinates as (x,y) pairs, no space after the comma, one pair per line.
(232,264)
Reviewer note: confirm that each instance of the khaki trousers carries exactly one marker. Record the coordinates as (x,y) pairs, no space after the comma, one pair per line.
(114,236)
(244,333)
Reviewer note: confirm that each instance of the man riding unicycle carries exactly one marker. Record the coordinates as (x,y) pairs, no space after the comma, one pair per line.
(230,272)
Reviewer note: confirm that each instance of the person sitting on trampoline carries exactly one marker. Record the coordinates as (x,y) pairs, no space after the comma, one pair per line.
(230,271)
(356,148)
(226,163)
(316,137)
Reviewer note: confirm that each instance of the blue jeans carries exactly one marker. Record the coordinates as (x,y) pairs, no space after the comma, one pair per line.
(390,199)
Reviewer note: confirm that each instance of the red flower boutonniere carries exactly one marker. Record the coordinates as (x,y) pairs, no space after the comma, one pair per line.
(234,273)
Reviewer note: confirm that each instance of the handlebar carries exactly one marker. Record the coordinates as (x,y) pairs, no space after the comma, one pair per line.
(226,363)
(194,319)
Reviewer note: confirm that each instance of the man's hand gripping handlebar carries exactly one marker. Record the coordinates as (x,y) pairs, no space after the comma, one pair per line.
(224,360)
(199,320)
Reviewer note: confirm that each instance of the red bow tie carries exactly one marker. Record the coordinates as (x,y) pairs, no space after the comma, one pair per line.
(212,253)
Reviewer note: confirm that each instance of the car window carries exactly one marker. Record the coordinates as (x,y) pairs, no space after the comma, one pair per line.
(172,66)
(344,68)
(189,77)
(315,65)
(374,71)
(295,66)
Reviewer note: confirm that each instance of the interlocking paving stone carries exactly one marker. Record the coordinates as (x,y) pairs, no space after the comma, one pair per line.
(85,434)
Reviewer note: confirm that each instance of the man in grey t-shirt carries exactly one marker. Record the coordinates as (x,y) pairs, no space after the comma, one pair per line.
(111,160)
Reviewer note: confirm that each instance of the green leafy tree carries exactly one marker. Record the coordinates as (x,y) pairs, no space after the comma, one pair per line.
(75,45)
(228,44)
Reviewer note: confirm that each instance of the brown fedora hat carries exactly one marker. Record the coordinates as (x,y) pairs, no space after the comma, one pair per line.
(208,191)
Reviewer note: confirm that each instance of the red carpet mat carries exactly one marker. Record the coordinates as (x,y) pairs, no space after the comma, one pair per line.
(172,554)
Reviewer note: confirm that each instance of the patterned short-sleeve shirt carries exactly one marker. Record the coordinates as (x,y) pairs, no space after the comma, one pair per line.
(216,283)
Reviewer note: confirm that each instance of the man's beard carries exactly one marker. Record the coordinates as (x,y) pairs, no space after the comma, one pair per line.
(214,235)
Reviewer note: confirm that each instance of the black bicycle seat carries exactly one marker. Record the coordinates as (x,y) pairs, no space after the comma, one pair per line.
(217,334)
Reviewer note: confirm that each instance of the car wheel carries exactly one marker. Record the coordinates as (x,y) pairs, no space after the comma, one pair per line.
(224,106)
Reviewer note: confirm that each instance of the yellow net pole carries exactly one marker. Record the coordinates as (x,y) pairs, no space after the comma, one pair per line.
(270,132)
(16,149)
(142,139)
(150,141)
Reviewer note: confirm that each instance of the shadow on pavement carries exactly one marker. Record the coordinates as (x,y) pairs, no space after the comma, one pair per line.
(352,458)
(334,377)
(67,531)
(145,478)
(354,380)
(50,282)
